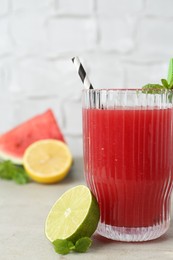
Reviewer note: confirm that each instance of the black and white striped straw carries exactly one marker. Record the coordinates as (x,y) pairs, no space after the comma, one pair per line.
(82,73)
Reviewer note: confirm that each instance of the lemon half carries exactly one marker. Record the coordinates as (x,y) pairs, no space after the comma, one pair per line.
(47,161)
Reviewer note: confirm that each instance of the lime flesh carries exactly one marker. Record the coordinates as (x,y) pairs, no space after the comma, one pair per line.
(74,215)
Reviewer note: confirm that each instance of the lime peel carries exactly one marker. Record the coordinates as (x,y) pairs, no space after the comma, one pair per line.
(81,220)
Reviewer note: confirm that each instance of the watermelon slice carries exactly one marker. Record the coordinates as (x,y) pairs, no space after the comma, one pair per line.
(14,142)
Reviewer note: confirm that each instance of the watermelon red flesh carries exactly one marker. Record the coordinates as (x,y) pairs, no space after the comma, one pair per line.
(44,126)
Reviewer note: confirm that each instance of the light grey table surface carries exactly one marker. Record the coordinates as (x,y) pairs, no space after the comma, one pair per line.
(23,210)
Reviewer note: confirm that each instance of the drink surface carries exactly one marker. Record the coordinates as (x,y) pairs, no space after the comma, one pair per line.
(128,162)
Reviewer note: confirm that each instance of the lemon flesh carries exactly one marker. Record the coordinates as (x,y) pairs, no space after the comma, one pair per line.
(74,215)
(47,161)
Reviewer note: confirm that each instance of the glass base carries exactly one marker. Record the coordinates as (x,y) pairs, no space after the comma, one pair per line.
(132,234)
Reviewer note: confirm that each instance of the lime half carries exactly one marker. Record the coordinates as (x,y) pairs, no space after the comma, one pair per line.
(74,215)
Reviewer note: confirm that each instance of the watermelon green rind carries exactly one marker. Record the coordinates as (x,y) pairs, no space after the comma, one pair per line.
(5,156)
(14,142)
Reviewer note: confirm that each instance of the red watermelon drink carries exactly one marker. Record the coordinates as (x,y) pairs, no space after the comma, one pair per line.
(127,138)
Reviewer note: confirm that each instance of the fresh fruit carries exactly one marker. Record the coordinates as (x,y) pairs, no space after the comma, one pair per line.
(14,142)
(47,161)
(74,215)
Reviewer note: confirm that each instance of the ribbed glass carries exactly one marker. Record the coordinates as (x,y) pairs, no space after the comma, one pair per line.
(128,160)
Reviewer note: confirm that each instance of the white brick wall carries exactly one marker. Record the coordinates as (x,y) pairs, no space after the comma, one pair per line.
(70,35)
(6,45)
(76,7)
(154,36)
(121,43)
(159,8)
(116,34)
(28,32)
(20,5)
(119,8)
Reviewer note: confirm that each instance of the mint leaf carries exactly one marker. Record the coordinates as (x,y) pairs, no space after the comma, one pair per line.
(6,170)
(171,83)
(165,83)
(170,71)
(152,89)
(20,176)
(63,246)
(83,244)
(10,171)
(159,89)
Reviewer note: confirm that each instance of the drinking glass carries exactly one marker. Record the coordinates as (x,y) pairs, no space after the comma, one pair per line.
(128,160)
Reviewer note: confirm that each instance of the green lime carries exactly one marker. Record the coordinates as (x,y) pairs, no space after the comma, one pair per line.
(74,215)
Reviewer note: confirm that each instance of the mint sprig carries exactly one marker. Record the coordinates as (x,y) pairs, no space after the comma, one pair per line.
(153,89)
(160,89)
(164,86)
(11,171)
(63,246)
